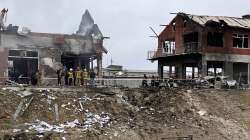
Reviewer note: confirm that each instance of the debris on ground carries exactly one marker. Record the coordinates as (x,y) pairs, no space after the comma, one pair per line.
(123,113)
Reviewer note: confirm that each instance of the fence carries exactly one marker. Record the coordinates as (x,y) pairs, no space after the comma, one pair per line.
(124,82)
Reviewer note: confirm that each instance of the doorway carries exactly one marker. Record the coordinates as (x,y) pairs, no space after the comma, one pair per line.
(22,65)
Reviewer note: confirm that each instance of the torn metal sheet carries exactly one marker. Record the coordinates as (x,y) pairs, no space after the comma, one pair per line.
(230,21)
(22,107)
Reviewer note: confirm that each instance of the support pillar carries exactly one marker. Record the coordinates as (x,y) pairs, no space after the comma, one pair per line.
(92,63)
(160,70)
(193,72)
(170,71)
(203,67)
(99,67)
(228,69)
(3,65)
(179,71)
(248,73)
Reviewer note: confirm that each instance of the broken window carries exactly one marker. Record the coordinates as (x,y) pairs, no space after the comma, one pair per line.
(210,72)
(173,71)
(192,72)
(215,39)
(240,41)
(169,47)
(168,71)
(191,42)
(14,53)
(174,28)
(189,72)
(23,53)
(192,37)
(215,71)
(184,23)
(31,54)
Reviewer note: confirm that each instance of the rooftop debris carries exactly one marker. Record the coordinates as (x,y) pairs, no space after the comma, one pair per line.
(228,21)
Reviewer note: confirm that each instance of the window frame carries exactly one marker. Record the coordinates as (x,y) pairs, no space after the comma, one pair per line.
(243,37)
(170,49)
(211,37)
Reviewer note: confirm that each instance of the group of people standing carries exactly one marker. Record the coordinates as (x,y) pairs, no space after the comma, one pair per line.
(154,81)
(76,77)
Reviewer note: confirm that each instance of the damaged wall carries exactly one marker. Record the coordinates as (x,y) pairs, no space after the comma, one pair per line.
(3,64)
(49,53)
(52,50)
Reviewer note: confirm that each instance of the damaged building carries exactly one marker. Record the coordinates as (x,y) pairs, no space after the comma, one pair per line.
(23,53)
(193,46)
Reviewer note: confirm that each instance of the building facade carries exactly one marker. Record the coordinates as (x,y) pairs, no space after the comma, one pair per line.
(23,53)
(192,46)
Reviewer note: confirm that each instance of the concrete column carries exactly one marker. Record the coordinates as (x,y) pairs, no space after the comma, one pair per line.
(92,63)
(228,69)
(170,71)
(99,67)
(160,69)
(248,73)
(203,67)
(179,71)
(193,72)
(3,64)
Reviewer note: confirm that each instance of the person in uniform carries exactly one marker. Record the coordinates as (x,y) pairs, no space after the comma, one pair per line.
(78,76)
(85,76)
(59,77)
(70,77)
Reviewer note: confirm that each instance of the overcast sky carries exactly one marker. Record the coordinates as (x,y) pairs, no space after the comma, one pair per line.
(125,21)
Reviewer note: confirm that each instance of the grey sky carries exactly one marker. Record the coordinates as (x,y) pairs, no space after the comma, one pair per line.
(126,22)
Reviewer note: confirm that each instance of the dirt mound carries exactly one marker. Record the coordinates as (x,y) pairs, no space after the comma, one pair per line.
(105,113)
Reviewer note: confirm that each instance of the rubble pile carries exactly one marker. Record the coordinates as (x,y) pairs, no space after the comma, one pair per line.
(104,113)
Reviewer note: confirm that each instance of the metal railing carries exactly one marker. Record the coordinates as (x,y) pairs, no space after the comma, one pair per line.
(154,54)
(190,47)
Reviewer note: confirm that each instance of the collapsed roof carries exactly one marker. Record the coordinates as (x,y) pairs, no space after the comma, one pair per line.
(236,22)
(88,27)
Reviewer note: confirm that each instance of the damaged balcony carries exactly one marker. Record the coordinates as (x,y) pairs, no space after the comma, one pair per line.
(186,48)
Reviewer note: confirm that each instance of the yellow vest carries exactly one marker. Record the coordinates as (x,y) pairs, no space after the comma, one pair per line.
(85,74)
(78,74)
(70,74)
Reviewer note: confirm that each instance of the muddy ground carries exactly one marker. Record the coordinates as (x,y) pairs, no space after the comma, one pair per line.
(124,114)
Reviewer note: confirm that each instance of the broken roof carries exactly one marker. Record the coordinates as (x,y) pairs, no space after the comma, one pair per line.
(88,27)
(229,21)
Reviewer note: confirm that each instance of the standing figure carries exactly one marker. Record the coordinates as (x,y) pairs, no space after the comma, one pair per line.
(78,76)
(66,76)
(144,81)
(153,81)
(92,76)
(82,78)
(85,77)
(59,77)
(74,77)
(70,77)
(157,81)
(39,77)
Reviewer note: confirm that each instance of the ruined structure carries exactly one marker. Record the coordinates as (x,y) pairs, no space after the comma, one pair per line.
(23,53)
(192,46)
